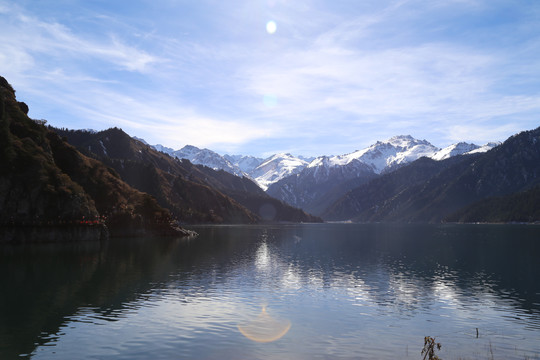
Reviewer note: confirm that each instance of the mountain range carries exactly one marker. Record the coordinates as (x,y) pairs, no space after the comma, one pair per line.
(496,186)
(313,184)
(406,179)
(62,176)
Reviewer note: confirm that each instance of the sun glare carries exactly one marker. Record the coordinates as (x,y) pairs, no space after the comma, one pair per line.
(271,27)
(264,328)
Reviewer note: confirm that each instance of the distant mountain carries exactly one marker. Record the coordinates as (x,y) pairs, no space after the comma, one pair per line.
(453,150)
(198,156)
(207,158)
(386,155)
(263,171)
(429,190)
(462,148)
(321,183)
(327,178)
(377,196)
(245,163)
(484,148)
(276,168)
(313,184)
(193,193)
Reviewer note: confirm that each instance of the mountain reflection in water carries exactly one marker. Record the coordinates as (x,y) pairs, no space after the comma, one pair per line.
(287,292)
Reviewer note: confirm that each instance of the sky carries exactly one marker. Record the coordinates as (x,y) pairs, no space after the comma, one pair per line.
(258,77)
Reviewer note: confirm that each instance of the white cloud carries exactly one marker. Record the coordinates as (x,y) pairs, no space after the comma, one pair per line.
(363,74)
(28,36)
(481,134)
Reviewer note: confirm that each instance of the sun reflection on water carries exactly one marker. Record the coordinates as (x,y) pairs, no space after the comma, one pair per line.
(265,328)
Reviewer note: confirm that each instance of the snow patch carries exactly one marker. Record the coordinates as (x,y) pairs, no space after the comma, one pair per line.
(103,147)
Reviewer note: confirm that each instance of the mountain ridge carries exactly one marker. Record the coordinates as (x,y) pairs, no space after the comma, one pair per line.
(381,156)
(450,187)
(193,193)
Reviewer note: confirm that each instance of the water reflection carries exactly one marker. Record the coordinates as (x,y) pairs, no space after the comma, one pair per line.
(265,328)
(342,285)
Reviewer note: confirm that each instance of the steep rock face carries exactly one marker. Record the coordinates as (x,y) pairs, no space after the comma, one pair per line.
(33,190)
(46,182)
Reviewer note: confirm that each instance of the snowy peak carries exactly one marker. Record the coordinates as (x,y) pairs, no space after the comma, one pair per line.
(384,155)
(246,163)
(163,149)
(204,157)
(380,157)
(190,152)
(404,141)
(484,148)
(263,171)
(454,150)
(276,168)
(463,148)
(207,158)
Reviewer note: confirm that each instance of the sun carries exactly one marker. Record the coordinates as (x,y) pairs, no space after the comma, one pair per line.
(271,27)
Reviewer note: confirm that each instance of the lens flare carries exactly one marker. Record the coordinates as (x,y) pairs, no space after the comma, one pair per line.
(271,27)
(264,328)
(270,100)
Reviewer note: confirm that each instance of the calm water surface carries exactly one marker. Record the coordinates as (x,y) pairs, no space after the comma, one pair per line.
(320,291)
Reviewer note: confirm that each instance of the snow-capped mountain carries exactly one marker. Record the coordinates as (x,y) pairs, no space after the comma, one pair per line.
(383,155)
(245,163)
(263,171)
(484,148)
(276,168)
(462,148)
(159,147)
(208,158)
(453,150)
(328,177)
(204,157)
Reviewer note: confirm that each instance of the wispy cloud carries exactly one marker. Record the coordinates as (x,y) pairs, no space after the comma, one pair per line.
(29,37)
(332,77)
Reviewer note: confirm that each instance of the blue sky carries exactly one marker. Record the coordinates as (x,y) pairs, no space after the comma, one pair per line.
(335,76)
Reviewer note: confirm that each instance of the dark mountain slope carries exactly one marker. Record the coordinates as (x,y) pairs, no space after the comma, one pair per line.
(432,195)
(316,188)
(377,195)
(247,193)
(193,193)
(176,185)
(519,207)
(46,181)
(32,188)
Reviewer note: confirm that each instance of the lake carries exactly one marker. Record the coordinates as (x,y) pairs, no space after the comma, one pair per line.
(312,291)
